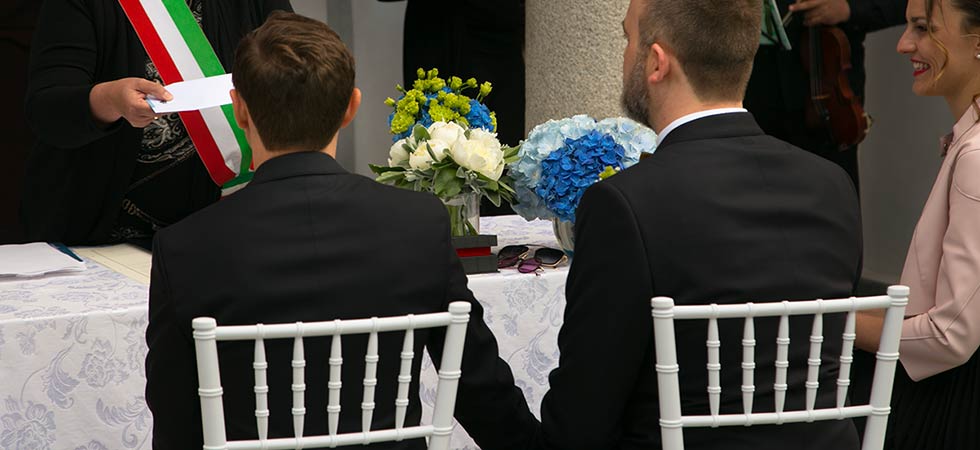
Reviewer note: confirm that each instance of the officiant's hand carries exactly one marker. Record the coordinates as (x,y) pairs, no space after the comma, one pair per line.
(822,12)
(125,99)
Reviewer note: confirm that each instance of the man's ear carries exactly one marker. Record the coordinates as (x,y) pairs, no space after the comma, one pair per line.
(352,107)
(238,105)
(658,64)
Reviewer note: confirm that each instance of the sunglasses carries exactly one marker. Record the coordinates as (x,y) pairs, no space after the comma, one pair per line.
(526,262)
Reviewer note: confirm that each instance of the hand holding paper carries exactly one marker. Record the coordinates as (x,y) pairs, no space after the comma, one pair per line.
(195,94)
(124,98)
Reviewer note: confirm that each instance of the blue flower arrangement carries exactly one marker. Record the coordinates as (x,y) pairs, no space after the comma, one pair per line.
(562,158)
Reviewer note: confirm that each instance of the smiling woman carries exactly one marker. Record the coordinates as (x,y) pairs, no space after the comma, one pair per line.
(936,400)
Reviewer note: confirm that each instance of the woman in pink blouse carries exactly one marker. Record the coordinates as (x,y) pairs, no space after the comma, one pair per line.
(936,402)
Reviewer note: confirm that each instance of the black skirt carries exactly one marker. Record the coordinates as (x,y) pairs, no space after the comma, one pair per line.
(941,412)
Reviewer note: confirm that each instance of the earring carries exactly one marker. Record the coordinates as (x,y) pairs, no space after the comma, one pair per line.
(978,55)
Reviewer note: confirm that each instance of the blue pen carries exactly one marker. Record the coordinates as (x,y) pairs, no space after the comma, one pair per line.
(64,249)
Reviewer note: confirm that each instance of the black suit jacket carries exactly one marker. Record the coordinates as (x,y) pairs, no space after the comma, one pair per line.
(307,241)
(720,214)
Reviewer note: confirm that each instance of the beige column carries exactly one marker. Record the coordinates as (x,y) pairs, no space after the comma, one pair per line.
(574,54)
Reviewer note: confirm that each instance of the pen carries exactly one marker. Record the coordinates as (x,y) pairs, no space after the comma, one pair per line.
(64,249)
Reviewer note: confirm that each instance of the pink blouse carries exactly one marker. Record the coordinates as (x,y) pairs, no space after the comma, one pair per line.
(943,263)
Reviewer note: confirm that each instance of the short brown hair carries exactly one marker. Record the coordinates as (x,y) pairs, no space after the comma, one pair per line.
(297,77)
(714,40)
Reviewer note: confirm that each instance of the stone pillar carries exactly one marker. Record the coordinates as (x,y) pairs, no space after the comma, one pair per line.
(574,54)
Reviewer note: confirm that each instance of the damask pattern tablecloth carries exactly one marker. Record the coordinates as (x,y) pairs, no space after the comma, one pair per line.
(71,362)
(72,349)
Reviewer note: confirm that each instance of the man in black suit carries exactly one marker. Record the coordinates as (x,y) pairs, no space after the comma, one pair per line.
(308,241)
(779,88)
(721,213)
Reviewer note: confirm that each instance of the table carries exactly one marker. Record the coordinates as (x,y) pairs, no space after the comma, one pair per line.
(72,347)
(71,359)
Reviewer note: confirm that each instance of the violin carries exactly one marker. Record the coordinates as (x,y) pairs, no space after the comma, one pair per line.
(833,106)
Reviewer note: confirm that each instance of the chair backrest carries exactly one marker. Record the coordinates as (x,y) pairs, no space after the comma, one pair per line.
(207,333)
(671,420)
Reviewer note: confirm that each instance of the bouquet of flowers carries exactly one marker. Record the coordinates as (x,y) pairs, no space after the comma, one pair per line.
(433,99)
(445,144)
(562,158)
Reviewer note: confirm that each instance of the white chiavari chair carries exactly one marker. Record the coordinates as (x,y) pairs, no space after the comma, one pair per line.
(207,333)
(672,422)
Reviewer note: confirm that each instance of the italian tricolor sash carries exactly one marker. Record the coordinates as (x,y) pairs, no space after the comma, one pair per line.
(177,46)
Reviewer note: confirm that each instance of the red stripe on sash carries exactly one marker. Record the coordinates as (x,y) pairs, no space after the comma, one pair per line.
(197,129)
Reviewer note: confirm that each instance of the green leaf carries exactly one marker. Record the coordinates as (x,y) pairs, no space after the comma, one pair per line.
(504,187)
(454,188)
(385,169)
(442,180)
(494,198)
(420,133)
(390,177)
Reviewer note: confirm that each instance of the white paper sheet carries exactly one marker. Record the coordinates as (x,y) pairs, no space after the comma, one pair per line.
(195,94)
(35,259)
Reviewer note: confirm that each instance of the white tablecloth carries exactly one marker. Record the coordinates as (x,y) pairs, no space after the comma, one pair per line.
(71,362)
(72,348)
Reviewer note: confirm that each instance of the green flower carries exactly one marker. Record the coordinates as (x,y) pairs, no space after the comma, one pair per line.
(442,113)
(608,172)
(402,122)
(455,83)
(485,89)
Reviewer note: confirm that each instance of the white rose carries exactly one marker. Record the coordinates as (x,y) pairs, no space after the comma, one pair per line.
(439,148)
(488,139)
(446,132)
(480,153)
(420,159)
(398,156)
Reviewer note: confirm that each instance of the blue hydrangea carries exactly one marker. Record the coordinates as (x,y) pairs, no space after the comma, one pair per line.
(562,158)
(479,116)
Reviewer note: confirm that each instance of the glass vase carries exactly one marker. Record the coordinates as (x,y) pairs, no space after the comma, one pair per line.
(464,214)
(565,234)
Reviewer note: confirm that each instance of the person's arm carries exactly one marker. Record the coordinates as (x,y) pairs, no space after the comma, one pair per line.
(488,404)
(948,334)
(66,106)
(874,15)
(859,15)
(171,373)
(608,327)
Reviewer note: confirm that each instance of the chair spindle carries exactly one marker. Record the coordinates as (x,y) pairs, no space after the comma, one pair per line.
(260,365)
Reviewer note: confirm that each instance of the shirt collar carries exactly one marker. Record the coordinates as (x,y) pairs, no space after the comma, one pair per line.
(695,116)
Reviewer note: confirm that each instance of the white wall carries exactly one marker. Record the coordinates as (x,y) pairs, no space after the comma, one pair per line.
(373,31)
(899,160)
(378,29)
